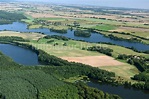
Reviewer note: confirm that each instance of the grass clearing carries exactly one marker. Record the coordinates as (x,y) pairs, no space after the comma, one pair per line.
(134,31)
(104,27)
(74,79)
(126,71)
(128,24)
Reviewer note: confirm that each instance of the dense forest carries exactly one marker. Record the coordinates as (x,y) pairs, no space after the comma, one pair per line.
(9,17)
(43,82)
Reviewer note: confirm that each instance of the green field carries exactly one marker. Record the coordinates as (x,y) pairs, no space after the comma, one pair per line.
(104,27)
(52,19)
(74,48)
(125,71)
(129,24)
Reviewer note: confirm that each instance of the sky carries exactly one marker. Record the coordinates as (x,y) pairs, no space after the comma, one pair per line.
(110,3)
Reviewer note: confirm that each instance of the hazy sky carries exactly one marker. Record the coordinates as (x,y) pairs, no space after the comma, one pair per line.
(112,3)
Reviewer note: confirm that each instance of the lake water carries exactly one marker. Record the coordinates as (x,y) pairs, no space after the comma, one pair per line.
(95,37)
(19,55)
(123,92)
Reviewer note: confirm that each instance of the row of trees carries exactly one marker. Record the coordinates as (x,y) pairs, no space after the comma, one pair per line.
(138,61)
(57,37)
(12,39)
(100,49)
(133,39)
(63,31)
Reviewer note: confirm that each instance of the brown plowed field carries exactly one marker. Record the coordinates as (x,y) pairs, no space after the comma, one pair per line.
(95,61)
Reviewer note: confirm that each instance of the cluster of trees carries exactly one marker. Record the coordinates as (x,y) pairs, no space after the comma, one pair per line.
(138,85)
(141,64)
(143,76)
(5,21)
(133,39)
(57,37)
(47,23)
(138,61)
(58,30)
(82,33)
(47,59)
(12,39)
(7,17)
(50,41)
(144,86)
(76,24)
(100,49)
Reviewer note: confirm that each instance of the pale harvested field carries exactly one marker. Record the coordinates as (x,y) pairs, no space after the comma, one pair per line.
(41,15)
(95,61)
(97,16)
(29,36)
(44,15)
(130,29)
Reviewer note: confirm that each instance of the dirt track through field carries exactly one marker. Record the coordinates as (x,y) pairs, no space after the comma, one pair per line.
(95,61)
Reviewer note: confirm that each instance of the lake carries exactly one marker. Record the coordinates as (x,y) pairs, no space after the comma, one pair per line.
(123,92)
(19,55)
(95,37)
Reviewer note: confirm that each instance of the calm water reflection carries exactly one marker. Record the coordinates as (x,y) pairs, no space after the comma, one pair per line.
(20,55)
